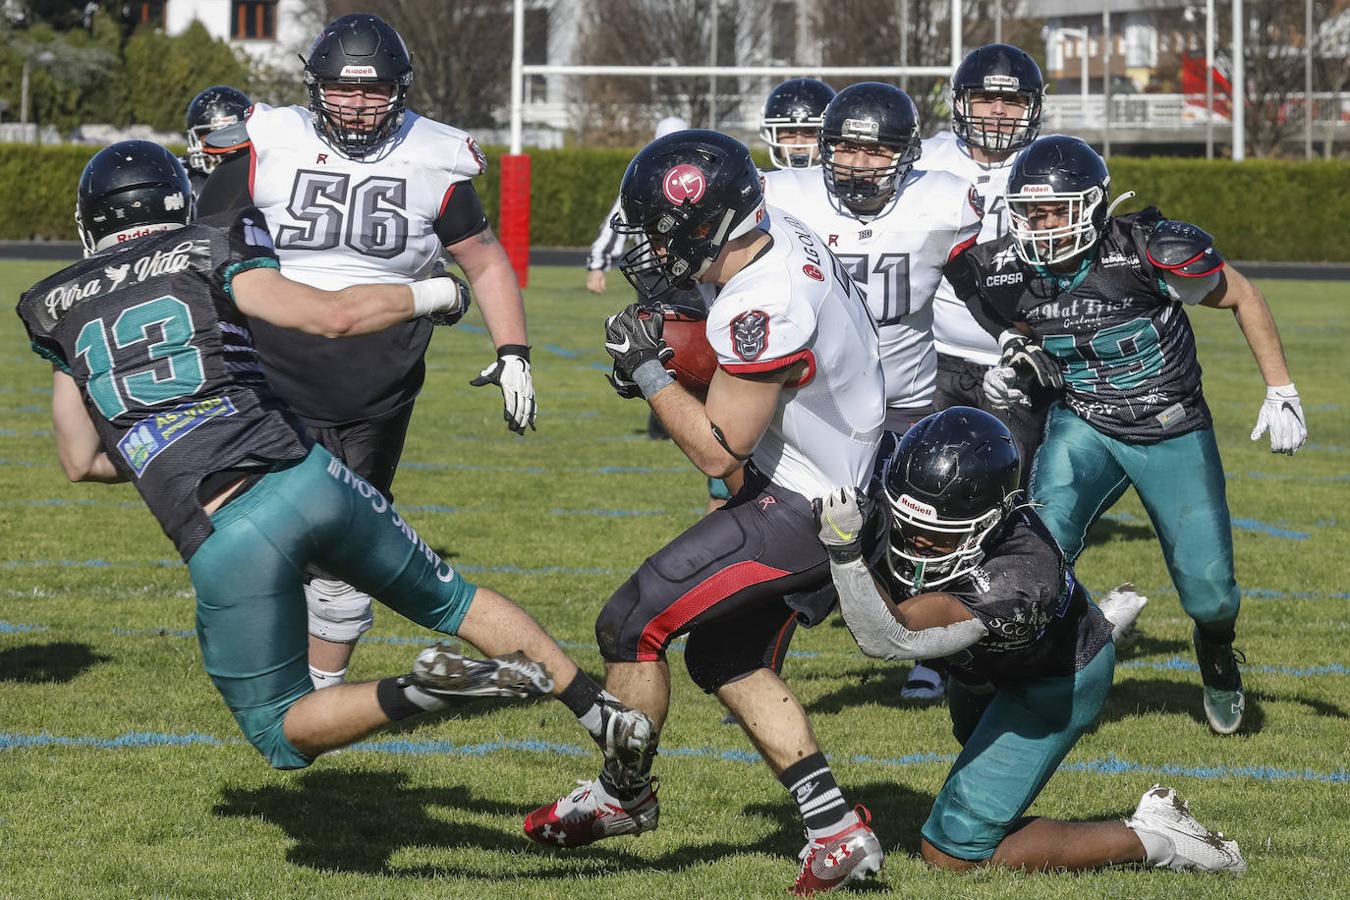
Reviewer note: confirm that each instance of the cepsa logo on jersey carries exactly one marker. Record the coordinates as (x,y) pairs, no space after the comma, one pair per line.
(684,182)
(813,272)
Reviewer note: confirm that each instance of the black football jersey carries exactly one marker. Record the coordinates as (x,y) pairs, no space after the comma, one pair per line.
(1126,348)
(166,362)
(1039,619)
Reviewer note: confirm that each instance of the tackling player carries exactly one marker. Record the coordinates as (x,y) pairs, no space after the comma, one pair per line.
(796,405)
(156,382)
(1095,305)
(790,122)
(359,188)
(952,563)
(894,227)
(211,110)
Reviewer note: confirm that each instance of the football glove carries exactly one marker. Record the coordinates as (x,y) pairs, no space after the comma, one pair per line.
(624,386)
(633,337)
(840,517)
(453,314)
(1029,360)
(511,373)
(1001,388)
(1282,414)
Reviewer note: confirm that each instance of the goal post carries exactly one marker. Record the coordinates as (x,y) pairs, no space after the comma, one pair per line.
(515,176)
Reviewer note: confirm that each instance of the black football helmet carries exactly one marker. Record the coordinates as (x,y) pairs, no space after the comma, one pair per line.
(683,197)
(869,114)
(997,69)
(216,107)
(1057,170)
(359,49)
(128,190)
(797,104)
(949,483)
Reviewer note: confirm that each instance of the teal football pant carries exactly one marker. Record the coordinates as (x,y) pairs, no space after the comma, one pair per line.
(1080,472)
(1012,740)
(249,574)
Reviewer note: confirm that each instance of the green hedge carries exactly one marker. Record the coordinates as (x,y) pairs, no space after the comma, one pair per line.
(1258,209)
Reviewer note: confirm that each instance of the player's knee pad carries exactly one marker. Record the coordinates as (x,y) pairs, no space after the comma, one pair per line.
(710,666)
(338,612)
(612,623)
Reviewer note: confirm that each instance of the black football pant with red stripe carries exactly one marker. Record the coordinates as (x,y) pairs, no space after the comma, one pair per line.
(735,583)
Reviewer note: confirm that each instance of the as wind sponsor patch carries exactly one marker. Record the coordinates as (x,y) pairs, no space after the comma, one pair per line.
(148,438)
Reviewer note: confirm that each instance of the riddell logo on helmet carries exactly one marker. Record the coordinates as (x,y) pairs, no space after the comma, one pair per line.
(358,72)
(915,506)
(684,182)
(1036,189)
(1001,83)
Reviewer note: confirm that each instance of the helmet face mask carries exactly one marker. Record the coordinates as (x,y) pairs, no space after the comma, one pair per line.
(949,485)
(683,198)
(987,73)
(874,117)
(358,51)
(790,122)
(212,109)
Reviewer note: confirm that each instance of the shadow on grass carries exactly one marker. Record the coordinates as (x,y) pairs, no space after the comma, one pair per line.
(880,685)
(58,662)
(1140,696)
(898,812)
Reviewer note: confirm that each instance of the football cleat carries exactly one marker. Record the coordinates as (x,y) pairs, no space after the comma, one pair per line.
(1225,701)
(590,813)
(924,683)
(853,854)
(1121,605)
(442,672)
(628,741)
(1194,847)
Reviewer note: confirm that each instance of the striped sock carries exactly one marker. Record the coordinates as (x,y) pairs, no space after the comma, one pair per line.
(823,807)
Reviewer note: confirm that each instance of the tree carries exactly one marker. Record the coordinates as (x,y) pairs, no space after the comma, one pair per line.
(161,74)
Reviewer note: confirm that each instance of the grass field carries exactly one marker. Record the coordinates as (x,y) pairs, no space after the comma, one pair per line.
(123,775)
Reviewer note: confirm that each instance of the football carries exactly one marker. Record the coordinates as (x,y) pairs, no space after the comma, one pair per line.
(695,360)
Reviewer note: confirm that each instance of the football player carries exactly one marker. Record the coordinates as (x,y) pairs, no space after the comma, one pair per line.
(790,122)
(357,187)
(156,381)
(894,227)
(213,109)
(953,563)
(1095,306)
(797,403)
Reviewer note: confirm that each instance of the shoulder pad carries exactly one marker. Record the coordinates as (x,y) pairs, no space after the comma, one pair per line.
(1182,248)
(227,139)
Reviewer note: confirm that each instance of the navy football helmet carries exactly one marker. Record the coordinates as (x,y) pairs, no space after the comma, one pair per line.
(128,190)
(875,116)
(359,49)
(214,108)
(1064,172)
(997,69)
(797,104)
(949,483)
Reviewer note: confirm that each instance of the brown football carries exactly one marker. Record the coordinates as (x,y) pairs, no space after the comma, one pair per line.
(695,360)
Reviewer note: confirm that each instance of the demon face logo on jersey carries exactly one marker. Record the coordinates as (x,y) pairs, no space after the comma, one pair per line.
(750,334)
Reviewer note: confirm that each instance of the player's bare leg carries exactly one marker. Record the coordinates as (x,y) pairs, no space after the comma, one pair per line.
(496,625)
(1050,844)
(771,717)
(329,657)
(642,685)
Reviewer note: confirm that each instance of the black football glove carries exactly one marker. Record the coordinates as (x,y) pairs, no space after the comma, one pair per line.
(1030,360)
(633,337)
(450,316)
(624,386)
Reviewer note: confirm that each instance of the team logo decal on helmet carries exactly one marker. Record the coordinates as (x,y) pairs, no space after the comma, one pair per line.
(684,182)
(750,334)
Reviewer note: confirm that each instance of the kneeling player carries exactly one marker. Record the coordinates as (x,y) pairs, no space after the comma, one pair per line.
(953,565)
(156,381)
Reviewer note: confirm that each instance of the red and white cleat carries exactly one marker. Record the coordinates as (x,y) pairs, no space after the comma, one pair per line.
(590,813)
(853,854)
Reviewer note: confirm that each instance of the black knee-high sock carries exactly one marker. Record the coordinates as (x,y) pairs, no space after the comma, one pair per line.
(812,785)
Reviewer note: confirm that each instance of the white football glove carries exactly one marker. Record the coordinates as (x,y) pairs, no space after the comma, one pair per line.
(1283,415)
(1001,388)
(511,372)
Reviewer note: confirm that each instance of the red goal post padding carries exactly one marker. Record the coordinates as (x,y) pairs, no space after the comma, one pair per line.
(514,227)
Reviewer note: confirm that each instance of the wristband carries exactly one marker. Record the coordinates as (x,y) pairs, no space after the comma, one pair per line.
(651,377)
(435,294)
(521,350)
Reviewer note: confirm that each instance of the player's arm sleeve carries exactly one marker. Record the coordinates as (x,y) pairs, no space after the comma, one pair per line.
(461,215)
(228,187)
(608,243)
(880,634)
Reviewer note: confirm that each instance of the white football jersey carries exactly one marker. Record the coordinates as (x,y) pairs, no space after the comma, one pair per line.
(955,331)
(339,221)
(797,303)
(898,256)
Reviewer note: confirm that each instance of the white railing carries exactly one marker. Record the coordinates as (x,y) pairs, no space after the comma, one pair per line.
(1065,112)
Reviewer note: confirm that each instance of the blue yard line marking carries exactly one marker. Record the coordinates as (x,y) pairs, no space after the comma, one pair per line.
(471,329)
(560,351)
(90,564)
(1178,664)
(1272,530)
(1111,765)
(602,367)
(19,628)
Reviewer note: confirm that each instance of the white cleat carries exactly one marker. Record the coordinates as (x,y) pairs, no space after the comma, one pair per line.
(1121,605)
(924,683)
(1194,847)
